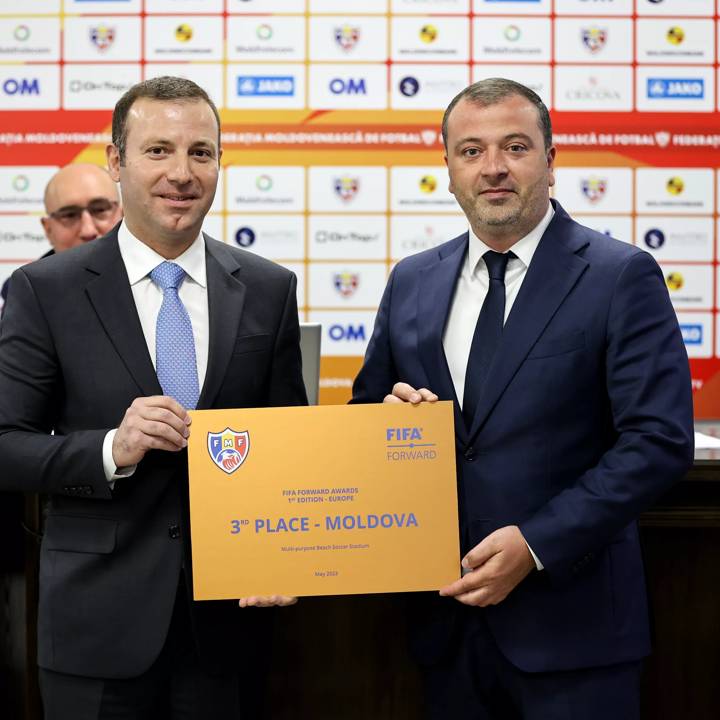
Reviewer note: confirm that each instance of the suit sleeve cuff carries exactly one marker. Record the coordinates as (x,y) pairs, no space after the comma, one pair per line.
(112,472)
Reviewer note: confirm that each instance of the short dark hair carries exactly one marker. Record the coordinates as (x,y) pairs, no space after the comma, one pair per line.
(494,90)
(159,88)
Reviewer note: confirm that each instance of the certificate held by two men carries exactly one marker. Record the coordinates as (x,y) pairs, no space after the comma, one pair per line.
(324,500)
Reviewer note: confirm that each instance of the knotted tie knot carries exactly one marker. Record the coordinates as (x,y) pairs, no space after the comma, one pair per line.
(167,275)
(497,264)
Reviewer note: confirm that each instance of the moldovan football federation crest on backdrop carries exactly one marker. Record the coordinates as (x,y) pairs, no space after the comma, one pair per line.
(229,448)
(594,38)
(594,189)
(102,36)
(347,36)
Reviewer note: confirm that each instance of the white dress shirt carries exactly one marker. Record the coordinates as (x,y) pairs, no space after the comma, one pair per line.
(139,260)
(470,291)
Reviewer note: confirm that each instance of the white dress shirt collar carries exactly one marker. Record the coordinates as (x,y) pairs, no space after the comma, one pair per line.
(524,248)
(140,259)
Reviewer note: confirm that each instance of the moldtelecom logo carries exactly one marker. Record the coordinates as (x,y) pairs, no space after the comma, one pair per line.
(23,86)
(512,33)
(692,334)
(263,182)
(674,280)
(264,31)
(245,237)
(347,36)
(428,184)
(102,36)
(21,183)
(594,38)
(21,33)
(265,85)
(593,188)
(675,35)
(409,86)
(676,88)
(675,186)
(428,33)
(351,86)
(183,32)
(346,283)
(346,188)
(654,238)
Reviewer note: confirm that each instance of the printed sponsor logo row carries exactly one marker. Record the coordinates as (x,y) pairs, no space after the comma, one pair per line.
(418,87)
(358,39)
(411,189)
(697,8)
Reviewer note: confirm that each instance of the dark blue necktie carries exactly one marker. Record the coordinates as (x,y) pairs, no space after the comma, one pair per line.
(175,361)
(488,333)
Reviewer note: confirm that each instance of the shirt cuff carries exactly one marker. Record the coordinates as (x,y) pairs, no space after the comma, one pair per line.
(538,564)
(112,472)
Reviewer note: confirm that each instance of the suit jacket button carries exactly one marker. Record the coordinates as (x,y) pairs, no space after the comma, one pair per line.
(470,453)
(174,531)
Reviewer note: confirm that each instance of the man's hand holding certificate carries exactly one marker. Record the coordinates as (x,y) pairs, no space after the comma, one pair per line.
(323,500)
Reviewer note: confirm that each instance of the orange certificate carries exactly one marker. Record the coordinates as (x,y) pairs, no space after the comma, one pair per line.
(326,500)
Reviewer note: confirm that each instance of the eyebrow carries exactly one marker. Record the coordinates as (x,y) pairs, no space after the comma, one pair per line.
(511,136)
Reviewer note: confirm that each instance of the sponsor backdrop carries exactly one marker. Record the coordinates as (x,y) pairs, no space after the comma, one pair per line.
(331,110)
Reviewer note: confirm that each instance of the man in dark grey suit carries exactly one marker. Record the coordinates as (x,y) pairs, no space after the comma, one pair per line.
(103,349)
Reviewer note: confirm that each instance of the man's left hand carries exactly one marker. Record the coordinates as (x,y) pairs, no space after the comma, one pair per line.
(495,567)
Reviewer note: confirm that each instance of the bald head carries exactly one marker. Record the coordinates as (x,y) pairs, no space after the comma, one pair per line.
(82,203)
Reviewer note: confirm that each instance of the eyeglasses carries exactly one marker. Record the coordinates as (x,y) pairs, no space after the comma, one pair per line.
(100,209)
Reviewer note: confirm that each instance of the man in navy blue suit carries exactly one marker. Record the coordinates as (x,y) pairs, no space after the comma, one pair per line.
(573,413)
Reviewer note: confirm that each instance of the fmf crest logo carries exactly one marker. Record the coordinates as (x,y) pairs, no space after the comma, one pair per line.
(347,37)
(594,189)
(346,283)
(102,37)
(594,39)
(346,187)
(229,449)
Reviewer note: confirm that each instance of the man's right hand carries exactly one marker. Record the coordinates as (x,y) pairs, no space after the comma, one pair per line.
(402,392)
(150,423)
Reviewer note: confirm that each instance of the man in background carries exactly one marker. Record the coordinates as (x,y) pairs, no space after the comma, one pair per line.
(573,413)
(81,204)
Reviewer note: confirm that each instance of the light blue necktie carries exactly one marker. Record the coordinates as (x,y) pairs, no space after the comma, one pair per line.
(175,362)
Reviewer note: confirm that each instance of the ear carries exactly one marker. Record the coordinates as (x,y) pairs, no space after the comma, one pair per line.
(551,153)
(45,221)
(113,162)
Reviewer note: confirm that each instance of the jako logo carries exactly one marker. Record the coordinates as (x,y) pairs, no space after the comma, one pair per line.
(21,87)
(338,86)
(692,334)
(346,332)
(403,433)
(676,88)
(266,85)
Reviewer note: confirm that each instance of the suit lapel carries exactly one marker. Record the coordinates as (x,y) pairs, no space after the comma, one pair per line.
(111,297)
(553,272)
(226,297)
(436,288)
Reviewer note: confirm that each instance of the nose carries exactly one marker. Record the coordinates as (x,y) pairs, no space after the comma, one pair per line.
(494,164)
(88,229)
(179,170)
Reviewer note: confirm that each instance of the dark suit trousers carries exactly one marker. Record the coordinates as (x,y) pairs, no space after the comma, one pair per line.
(175,687)
(474,681)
